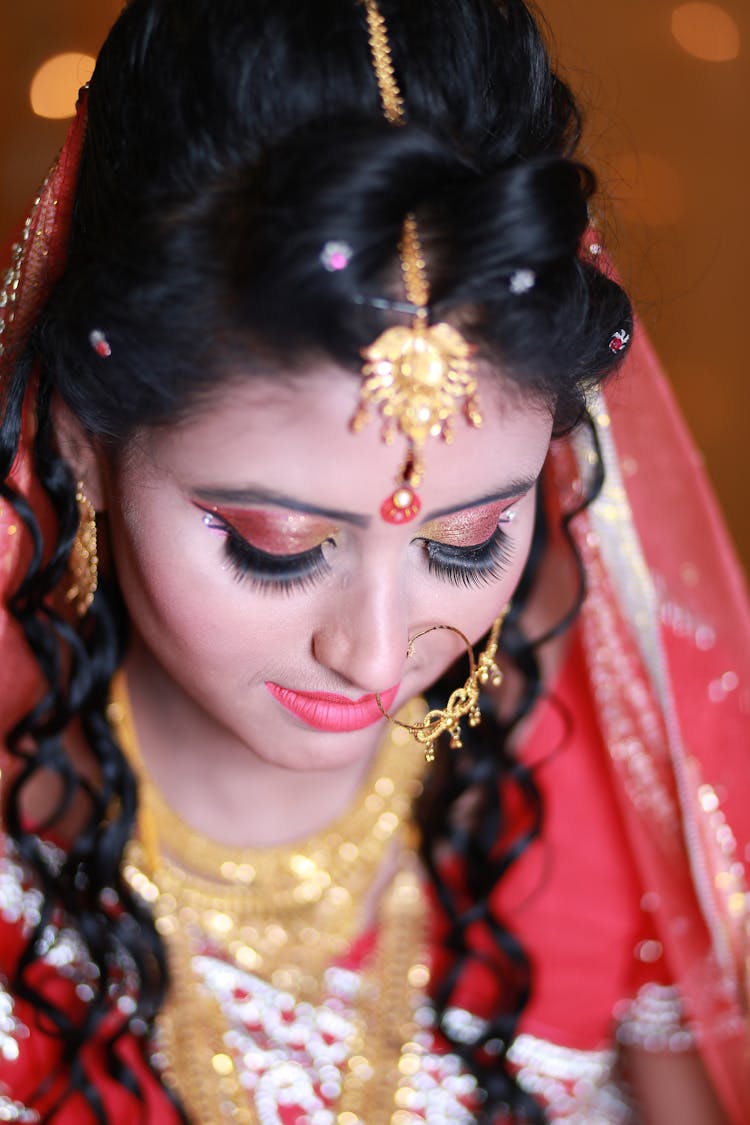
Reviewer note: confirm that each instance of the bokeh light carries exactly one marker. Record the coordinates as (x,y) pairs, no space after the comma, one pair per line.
(706,31)
(54,87)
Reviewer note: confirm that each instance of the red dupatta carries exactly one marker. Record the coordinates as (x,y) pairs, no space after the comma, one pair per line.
(38,260)
(666,631)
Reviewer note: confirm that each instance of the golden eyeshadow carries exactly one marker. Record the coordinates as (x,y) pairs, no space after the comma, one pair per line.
(278,532)
(467,528)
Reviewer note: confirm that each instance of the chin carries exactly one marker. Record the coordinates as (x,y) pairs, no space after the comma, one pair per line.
(302,750)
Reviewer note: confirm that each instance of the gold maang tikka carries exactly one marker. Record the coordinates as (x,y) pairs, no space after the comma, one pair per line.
(419,377)
(83,563)
(464,701)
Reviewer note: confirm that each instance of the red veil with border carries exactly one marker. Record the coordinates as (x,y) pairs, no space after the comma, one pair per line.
(666,632)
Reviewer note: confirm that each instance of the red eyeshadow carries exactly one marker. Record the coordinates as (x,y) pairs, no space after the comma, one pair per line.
(278,532)
(467,528)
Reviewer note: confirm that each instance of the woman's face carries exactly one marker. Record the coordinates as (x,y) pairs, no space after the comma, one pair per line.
(261,578)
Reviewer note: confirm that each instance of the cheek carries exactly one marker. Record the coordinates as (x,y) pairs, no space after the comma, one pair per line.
(156,565)
(192,614)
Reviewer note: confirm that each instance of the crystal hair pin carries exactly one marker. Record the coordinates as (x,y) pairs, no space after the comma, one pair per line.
(619,341)
(336,256)
(100,343)
(522,281)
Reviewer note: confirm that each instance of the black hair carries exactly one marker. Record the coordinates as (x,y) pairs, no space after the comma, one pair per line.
(228,141)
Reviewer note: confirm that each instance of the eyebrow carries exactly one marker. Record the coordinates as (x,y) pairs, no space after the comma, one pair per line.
(246,497)
(511,491)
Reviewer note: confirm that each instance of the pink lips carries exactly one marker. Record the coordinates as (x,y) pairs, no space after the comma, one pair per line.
(324,711)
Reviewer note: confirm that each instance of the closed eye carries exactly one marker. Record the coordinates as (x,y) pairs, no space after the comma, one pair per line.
(477,565)
(268,571)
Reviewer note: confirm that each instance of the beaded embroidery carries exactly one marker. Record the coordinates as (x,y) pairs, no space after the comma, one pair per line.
(578,1087)
(292,1059)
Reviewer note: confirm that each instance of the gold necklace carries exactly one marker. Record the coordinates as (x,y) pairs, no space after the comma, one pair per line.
(284,914)
(200,1065)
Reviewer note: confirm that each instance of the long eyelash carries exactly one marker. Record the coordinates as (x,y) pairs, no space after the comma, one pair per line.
(265,571)
(470,566)
(274,572)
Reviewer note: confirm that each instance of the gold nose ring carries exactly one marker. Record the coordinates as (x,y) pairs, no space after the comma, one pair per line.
(464,701)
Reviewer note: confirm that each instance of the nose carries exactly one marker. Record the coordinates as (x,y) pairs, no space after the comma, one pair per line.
(363,636)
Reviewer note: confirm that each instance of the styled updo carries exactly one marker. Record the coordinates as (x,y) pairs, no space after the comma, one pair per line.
(228,142)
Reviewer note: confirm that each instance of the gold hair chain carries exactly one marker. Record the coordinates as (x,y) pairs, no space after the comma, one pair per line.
(414,266)
(382,64)
(421,376)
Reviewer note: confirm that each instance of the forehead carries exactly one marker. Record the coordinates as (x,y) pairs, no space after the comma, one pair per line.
(296,432)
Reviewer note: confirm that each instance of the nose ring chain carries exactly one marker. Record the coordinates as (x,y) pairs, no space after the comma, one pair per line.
(464,701)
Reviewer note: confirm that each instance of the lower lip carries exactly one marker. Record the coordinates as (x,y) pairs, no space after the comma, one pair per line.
(334,713)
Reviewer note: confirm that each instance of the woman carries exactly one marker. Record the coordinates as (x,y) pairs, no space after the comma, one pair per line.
(286,250)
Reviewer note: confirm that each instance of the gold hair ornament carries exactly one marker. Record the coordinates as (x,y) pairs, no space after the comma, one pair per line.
(464,701)
(418,377)
(83,563)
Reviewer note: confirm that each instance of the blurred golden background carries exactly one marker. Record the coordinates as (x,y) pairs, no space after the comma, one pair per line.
(665,88)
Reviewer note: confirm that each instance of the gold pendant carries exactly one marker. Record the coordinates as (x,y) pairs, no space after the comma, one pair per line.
(419,377)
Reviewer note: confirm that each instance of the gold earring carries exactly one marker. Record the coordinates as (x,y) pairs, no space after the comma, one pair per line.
(83,563)
(463,701)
